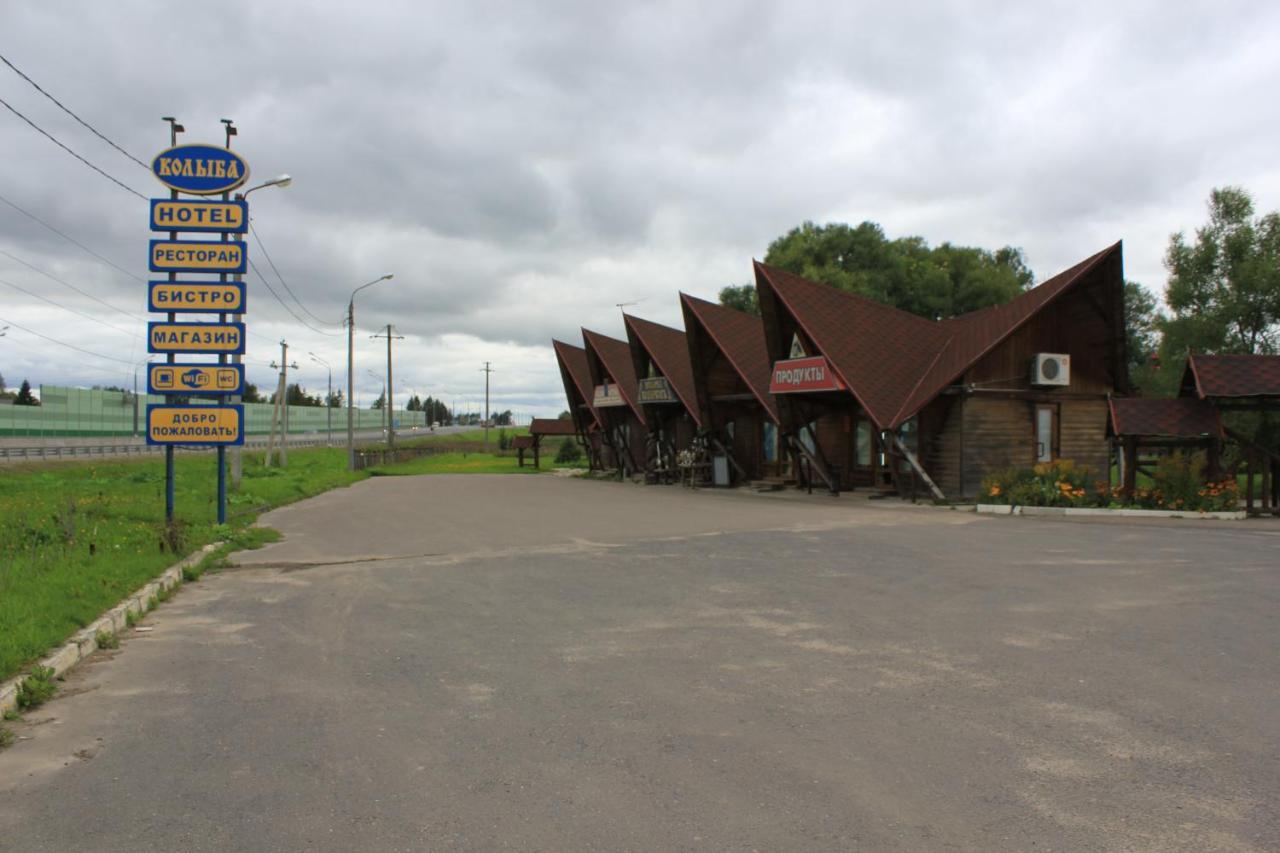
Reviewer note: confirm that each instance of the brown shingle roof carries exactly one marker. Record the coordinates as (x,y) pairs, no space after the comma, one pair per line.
(879,351)
(740,336)
(1233,375)
(669,349)
(895,362)
(522,442)
(551,426)
(975,334)
(574,372)
(615,357)
(1179,417)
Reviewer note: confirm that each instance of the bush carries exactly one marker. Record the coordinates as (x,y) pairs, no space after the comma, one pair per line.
(1060,483)
(1177,484)
(569,451)
(504,441)
(37,688)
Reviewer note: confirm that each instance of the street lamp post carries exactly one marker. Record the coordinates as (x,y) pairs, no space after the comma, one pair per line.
(328,400)
(237,452)
(351,376)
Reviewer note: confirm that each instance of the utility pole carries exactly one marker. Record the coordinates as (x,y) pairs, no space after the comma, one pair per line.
(391,424)
(280,411)
(351,373)
(487,371)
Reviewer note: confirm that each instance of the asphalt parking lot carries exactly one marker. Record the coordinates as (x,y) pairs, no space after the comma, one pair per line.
(537,663)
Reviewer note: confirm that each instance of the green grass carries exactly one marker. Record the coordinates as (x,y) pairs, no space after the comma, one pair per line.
(75,538)
(457,463)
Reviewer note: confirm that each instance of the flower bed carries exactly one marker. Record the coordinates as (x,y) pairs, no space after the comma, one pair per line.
(1177,485)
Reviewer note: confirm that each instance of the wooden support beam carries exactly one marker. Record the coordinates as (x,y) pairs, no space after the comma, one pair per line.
(916,466)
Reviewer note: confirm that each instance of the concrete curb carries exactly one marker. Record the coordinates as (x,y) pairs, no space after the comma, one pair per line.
(84,642)
(1100,512)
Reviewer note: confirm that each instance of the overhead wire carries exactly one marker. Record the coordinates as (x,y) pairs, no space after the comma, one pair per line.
(64,343)
(265,254)
(285,305)
(68,111)
(58,143)
(71,240)
(89,317)
(134,192)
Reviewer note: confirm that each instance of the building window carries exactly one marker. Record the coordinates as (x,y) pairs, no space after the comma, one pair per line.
(770,441)
(862,439)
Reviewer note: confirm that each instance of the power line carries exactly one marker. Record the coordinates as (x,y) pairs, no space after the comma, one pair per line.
(52,139)
(285,305)
(71,310)
(64,108)
(258,239)
(49,275)
(65,344)
(71,240)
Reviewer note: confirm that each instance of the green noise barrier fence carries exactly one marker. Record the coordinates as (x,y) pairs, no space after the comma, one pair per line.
(84,412)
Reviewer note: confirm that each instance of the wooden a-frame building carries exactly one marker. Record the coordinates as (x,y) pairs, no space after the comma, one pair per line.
(613,396)
(730,371)
(873,396)
(665,393)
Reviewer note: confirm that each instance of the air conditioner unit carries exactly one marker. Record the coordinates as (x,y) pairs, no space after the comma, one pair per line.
(1050,368)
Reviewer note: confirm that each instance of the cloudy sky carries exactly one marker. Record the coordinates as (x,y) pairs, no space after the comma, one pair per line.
(523,167)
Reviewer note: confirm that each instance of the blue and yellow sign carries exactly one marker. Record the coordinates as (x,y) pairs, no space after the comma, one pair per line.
(197,256)
(200,297)
(200,169)
(219,217)
(214,338)
(201,425)
(219,379)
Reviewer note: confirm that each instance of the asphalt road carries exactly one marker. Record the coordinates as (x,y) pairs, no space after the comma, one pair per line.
(535,663)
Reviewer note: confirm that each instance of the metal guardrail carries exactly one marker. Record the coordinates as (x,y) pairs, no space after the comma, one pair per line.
(89,451)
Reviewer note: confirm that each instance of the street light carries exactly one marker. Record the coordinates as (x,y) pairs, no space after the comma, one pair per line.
(237,457)
(351,377)
(281,181)
(328,400)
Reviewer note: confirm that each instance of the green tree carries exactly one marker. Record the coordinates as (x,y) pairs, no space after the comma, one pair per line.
(25,397)
(414,404)
(742,297)
(336,399)
(906,273)
(564,416)
(1142,338)
(1224,288)
(251,394)
(380,402)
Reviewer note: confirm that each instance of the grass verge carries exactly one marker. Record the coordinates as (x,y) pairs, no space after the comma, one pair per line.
(75,539)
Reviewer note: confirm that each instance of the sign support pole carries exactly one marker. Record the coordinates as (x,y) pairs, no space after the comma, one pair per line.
(222,359)
(168,398)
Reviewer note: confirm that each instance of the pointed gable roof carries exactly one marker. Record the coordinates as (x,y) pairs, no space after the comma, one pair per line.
(880,352)
(669,349)
(614,356)
(575,375)
(740,336)
(971,336)
(1161,417)
(895,362)
(1232,375)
